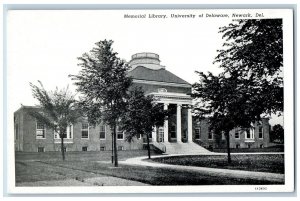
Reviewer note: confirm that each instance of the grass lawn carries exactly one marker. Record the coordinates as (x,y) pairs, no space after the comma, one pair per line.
(80,155)
(155,176)
(261,163)
(32,167)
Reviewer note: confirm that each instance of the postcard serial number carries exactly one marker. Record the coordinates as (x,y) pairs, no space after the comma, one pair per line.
(261,188)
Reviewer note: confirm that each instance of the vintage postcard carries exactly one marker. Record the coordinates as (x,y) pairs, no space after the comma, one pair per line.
(150,101)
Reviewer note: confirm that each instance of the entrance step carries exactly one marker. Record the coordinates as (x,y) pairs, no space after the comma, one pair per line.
(184,148)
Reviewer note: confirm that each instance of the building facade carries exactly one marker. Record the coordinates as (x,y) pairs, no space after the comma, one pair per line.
(255,137)
(180,134)
(33,136)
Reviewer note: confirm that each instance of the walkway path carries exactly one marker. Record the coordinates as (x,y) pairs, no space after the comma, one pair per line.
(240,174)
(95,181)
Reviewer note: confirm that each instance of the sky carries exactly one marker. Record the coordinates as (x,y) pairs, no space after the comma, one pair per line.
(44,45)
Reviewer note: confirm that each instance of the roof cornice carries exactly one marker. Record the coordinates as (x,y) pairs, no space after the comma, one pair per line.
(161,83)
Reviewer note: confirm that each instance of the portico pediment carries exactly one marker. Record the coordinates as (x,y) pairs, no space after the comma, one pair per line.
(172,98)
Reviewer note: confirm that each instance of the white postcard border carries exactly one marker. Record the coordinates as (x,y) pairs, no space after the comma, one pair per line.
(287,15)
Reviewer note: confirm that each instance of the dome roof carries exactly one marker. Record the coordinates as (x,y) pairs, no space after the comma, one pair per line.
(146,59)
(160,75)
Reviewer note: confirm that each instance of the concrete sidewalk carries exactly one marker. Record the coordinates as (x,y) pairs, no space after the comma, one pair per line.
(238,174)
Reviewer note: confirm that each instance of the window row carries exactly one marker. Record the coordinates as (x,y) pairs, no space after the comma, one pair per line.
(249,134)
(41,132)
(198,134)
(84,148)
(237,146)
(102,148)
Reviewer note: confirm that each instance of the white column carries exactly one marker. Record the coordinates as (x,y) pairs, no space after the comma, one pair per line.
(154,134)
(166,126)
(178,116)
(190,126)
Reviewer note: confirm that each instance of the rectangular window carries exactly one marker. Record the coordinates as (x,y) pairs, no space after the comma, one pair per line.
(56,135)
(102,132)
(85,130)
(84,148)
(120,148)
(120,134)
(249,134)
(40,130)
(69,133)
(197,133)
(41,149)
(236,133)
(210,134)
(260,132)
(223,135)
(102,148)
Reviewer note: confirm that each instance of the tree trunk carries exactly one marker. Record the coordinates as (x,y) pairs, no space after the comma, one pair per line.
(228,146)
(62,147)
(148,145)
(115,146)
(112,148)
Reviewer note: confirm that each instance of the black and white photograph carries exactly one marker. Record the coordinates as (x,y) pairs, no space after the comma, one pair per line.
(150,100)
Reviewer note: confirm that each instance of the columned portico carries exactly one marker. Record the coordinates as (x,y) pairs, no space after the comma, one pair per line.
(166,125)
(177,100)
(178,122)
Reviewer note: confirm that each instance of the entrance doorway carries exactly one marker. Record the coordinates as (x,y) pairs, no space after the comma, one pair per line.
(160,136)
(173,132)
